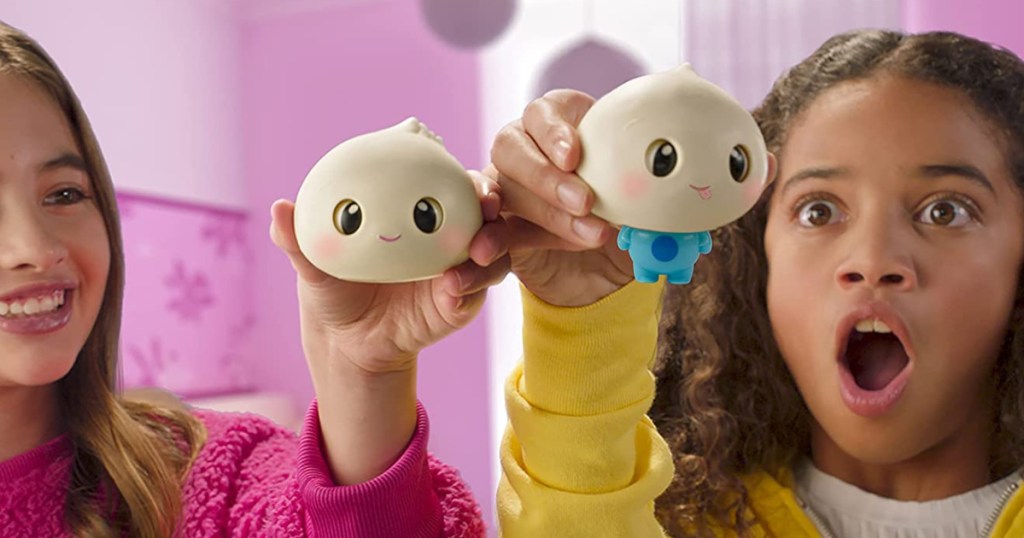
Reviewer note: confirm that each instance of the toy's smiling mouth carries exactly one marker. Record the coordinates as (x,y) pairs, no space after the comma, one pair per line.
(704,192)
(390,239)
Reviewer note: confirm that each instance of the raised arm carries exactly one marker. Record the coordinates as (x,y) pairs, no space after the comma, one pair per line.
(580,458)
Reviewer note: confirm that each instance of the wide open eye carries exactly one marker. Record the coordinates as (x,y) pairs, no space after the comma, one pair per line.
(348,216)
(739,163)
(428,215)
(661,158)
(817,213)
(947,213)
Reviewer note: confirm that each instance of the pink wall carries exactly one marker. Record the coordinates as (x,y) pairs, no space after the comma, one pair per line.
(313,78)
(996,21)
(159,80)
(186,327)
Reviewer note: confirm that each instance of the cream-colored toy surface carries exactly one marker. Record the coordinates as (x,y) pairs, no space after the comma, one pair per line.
(388,206)
(660,154)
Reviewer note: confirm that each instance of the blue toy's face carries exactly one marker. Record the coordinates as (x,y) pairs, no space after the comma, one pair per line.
(391,206)
(673,153)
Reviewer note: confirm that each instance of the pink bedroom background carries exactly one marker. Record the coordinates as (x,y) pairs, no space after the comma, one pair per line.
(998,21)
(209,110)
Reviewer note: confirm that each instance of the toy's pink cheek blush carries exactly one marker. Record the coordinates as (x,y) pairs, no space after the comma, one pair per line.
(327,246)
(634,185)
(751,192)
(452,240)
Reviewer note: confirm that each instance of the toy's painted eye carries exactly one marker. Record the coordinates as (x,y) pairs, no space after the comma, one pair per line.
(348,216)
(739,163)
(661,158)
(428,215)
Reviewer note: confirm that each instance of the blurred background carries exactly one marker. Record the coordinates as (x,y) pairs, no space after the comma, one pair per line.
(209,110)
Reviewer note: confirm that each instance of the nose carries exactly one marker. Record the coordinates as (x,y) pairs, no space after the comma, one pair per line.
(878,256)
(26,244)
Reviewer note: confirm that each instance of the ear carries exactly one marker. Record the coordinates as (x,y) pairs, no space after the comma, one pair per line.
(773,169)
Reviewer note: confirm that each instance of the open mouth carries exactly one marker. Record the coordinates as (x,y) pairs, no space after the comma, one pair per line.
(703,192)
(390,238)
(874,359)
(39,305)
(37,315)
(875,366)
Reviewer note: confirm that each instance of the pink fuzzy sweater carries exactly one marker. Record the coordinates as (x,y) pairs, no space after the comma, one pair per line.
(254,478)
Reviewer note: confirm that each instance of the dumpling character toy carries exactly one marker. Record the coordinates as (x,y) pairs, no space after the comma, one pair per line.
(388,206)
(669,157)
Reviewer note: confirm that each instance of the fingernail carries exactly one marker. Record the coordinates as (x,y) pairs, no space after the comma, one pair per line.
(496,206)
(588,230)
(562,148)
(572,195)
(458,282)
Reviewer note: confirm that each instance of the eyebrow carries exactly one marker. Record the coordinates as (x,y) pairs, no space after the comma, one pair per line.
(964,171)
(815,173)
(65,160)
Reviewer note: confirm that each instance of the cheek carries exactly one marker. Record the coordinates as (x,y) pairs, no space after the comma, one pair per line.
(89,248)
(327,246)
(751,192)
(93,252)
(633,185)
(453,240)
(967,325)
(793,283)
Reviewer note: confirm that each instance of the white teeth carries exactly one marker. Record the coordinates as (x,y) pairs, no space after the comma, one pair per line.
(872,325)
(34,305)
(31,307)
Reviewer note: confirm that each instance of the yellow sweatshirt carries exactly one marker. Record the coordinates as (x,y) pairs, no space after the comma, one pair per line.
(581,458)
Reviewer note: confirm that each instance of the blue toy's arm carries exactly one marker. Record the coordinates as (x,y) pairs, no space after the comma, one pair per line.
(625,237)
(704,243)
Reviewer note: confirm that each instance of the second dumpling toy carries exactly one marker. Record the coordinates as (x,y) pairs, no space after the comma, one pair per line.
(669,157)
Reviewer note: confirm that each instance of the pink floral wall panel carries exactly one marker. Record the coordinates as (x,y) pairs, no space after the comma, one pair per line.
(186,309)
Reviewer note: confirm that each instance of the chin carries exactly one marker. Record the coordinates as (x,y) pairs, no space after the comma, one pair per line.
(878,442)
(39,373)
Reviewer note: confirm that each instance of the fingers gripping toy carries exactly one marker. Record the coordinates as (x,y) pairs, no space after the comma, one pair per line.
(387,206)
(669,157)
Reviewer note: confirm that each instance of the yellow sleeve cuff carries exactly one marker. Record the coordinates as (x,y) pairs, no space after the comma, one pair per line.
(591,359)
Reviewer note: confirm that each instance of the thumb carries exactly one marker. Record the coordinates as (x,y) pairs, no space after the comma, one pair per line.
(282,233)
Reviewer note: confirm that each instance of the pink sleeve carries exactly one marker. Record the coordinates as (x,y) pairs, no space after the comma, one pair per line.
(417,497)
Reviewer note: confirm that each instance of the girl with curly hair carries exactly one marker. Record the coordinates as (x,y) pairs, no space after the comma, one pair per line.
(849,358)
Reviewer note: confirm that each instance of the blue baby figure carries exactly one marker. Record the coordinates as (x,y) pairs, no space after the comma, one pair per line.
(660,253)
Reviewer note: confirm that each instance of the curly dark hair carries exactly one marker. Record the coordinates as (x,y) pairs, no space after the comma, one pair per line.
(725,401)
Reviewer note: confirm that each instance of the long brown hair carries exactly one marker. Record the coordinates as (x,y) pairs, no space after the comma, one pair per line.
(726,402)
(130,458)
